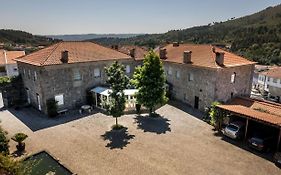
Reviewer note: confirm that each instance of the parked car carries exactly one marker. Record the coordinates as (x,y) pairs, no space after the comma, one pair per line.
(234,130)
(261,141)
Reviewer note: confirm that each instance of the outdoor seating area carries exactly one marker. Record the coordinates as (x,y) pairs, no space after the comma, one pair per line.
(101,94)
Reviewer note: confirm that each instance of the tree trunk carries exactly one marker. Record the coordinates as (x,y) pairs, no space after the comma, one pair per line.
(150,111)
(116,122)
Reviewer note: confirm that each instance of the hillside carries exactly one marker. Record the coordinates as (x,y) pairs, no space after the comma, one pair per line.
(82,37)
(15,39)
(257,36)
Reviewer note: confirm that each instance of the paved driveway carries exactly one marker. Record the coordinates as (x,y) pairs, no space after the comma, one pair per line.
(177,144)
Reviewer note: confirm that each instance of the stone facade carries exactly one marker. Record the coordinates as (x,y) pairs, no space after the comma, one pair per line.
(199,86)
(43,83)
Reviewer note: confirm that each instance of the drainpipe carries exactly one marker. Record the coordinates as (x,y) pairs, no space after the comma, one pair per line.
(246,130)
(6,61)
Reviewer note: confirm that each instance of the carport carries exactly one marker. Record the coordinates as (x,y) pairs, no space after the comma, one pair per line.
(264,112)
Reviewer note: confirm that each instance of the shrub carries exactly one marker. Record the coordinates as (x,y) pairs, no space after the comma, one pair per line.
(9,166)
(4,142)
(52,108)
(19,138)
(214,114)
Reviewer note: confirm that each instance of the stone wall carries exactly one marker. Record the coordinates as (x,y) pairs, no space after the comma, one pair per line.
(208,84)
(58,79)
(185,90)
(225,89)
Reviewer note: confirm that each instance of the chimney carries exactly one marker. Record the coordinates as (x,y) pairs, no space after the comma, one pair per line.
(176,44)
(64,56)
(163,54)
(133,52)
(187,57)
(220,58)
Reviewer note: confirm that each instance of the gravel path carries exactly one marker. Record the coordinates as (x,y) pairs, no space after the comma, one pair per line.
(177,144)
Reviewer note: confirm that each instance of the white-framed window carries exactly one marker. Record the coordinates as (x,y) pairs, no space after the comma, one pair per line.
(76,75)
(128,69)
(97,72)
(59,99)
(170,72)
(23,71)
(35,76)
(178,74)
(233,77)
(190,77)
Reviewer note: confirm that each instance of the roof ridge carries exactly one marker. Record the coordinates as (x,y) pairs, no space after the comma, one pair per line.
(52,51)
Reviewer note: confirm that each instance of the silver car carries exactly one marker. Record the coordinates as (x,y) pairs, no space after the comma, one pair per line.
(234,130)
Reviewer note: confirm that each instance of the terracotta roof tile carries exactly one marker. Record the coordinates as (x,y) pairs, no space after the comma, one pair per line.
(203,55)
(274,72)
(260,110)
(10,56)
(140,52)
(77,52)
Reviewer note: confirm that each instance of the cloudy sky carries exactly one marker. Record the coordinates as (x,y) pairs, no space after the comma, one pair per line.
(120,16)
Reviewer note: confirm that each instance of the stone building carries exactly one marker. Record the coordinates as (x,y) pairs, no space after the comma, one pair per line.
(66,70)
(197,74)
(201,74)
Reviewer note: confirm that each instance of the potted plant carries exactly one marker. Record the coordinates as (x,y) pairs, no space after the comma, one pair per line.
(19,138)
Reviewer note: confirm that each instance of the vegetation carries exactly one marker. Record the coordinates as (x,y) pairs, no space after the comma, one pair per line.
(257,36)
(9,166)
(215,115)
(4,142)
(19,138)
(12,37)
(52,108)
(118,82)
(150,81)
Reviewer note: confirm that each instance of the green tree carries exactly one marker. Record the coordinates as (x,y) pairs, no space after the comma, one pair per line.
(215,115)
(118,82)
(150,81)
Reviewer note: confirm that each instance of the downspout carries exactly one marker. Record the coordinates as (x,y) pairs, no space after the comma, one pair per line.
(6,61)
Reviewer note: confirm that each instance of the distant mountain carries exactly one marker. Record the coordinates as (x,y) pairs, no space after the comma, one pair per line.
(83,37)
(257,36)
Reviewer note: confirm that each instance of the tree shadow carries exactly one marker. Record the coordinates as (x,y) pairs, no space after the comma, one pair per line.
(159,125)
(18,153)
(118,139)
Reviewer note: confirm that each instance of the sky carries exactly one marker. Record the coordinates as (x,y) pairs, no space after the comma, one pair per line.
(49,17)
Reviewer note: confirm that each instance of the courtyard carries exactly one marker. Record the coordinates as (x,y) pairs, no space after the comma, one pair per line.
(179,143)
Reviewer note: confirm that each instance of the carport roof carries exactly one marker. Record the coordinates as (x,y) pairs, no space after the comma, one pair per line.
(255,109)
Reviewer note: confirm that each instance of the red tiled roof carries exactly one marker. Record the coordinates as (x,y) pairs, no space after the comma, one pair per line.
(77,52)
(255,109)
(140,52)
(274,72)
(203,55)
(10,56)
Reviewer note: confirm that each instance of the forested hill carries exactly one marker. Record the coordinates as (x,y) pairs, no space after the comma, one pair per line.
(16,37)
(257,36)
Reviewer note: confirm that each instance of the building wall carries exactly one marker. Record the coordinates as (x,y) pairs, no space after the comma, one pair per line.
(276,92)
(12,70)
(58,79)
(32,85)
(208,84)
(242,85)
(185,90)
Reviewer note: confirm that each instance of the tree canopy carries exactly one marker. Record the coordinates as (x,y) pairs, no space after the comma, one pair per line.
(150,80)
(118,82)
